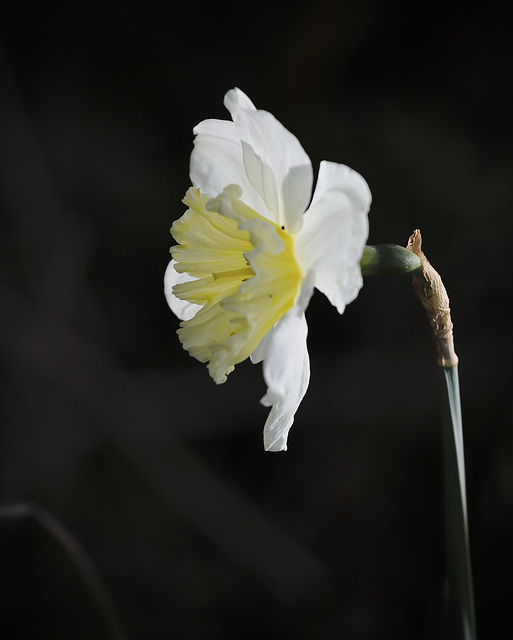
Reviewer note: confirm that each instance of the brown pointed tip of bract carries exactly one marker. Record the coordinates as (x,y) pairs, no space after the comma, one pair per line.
(430,290)
(415,243)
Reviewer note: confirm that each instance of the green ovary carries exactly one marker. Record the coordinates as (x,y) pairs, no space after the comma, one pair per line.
(246,278)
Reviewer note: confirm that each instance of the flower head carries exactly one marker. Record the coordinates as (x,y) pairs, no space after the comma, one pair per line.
(252,246)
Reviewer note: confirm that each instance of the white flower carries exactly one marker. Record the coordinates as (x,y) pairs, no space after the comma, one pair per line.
(252,247)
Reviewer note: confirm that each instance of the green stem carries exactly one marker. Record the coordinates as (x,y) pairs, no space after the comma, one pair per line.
(389,260)
(461,623)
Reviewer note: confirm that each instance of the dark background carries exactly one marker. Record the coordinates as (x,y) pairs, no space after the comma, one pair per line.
(111,427)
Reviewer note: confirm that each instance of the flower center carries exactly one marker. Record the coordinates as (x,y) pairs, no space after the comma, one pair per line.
(244,276)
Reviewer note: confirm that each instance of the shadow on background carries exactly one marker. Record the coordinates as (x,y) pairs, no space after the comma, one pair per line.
(108,424)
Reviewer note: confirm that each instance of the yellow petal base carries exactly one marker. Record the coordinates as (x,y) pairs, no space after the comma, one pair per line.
(246,277)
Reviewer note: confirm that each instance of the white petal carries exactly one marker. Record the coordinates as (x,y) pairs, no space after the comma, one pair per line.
(216,162)
(287,373)
(275,162)
(334,233)
(181,308)
(259,353)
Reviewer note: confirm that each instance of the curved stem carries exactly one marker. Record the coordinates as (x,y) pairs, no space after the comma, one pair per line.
(388,260)
(76,553)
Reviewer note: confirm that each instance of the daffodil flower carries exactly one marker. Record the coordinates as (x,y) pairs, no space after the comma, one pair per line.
(252,246)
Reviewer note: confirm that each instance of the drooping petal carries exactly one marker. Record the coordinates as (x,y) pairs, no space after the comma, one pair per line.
(274,160)
(217,161)
(286,370)
(181,308)
(334,233)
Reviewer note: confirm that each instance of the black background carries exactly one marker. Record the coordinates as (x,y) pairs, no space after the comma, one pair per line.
(109,425)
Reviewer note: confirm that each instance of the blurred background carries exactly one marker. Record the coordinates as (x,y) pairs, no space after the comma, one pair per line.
(108,426)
